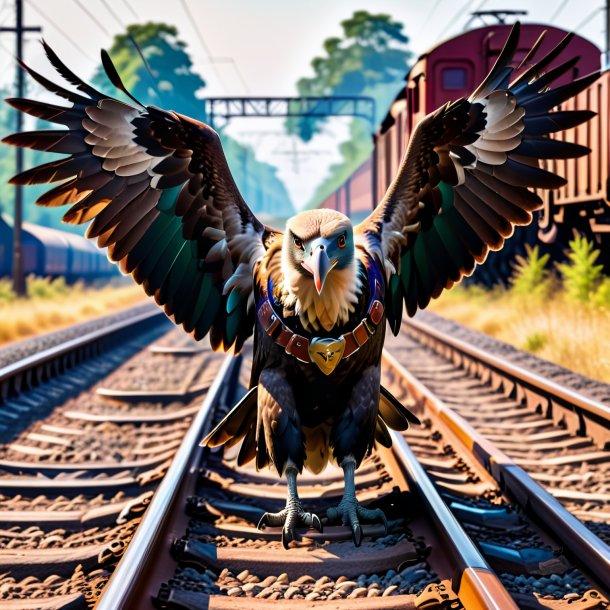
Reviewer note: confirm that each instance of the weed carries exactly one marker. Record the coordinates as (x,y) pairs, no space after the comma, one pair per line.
(581,276)
(531,276)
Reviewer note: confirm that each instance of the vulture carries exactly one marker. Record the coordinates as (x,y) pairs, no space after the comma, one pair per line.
(157,192)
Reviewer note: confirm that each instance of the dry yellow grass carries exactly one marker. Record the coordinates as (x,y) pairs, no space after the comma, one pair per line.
(21,318)
(571,334)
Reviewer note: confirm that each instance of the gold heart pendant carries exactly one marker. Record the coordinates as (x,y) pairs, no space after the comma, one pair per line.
(326,353)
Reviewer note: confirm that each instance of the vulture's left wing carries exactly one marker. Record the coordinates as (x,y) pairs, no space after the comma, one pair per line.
(160,196)
(463,183)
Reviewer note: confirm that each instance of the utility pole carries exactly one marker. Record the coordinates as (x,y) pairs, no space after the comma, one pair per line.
(18,30)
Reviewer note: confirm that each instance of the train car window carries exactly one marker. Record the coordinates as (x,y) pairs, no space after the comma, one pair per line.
(454,78)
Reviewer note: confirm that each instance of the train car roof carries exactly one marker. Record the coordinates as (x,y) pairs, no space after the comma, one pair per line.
(78,242)
(52,237)
(504,29)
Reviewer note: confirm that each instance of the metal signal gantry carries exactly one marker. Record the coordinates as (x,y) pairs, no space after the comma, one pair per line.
(230,107)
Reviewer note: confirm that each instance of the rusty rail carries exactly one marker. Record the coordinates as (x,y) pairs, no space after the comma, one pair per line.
(34,370)
(126,580)
(585,547)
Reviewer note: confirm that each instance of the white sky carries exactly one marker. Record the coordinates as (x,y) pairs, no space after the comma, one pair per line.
(271,43)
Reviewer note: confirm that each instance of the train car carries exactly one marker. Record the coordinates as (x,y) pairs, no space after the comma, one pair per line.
(453,69)
(53,253)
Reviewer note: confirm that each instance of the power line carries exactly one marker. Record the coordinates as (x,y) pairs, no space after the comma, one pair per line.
(134,42)
(453,19)
(19,30)
(588,18)
(558,11)
(93,18)
(231,61)
(430,13)
(114,15)
(60,31)
(206,49)
(131,10)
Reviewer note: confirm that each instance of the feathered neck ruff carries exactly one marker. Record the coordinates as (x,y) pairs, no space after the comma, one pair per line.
(340,295)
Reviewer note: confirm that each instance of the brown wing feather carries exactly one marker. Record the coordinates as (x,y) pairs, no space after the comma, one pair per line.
(463,183)
(151,180)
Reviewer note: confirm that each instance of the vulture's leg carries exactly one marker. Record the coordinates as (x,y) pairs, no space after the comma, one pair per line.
(349,510)
(352,438)
(279,426)
(293,515)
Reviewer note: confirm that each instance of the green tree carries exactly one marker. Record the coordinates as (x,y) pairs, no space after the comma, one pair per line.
(177,87)
(370,59)
(173,83)
(7,158)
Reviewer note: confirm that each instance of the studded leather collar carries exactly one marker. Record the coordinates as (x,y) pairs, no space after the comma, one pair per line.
(325,352)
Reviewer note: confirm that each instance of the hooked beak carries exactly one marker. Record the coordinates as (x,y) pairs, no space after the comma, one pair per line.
(319,265)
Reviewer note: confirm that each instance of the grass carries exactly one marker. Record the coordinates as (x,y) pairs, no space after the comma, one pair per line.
(558,328)
(53,304)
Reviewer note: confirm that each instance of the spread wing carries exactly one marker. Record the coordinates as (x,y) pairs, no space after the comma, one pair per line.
(464,182)
(160,196)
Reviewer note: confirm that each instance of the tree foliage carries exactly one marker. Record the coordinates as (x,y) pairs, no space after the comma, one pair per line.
(369,59)
(177,87)
(173,83)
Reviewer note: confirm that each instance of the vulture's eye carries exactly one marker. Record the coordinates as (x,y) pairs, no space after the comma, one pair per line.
(341,241)
(298,243)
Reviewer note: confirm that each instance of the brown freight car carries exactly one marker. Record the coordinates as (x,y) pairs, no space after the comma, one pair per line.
(453,69)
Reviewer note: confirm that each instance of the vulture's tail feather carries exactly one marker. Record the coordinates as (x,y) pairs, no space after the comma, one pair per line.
(236,423)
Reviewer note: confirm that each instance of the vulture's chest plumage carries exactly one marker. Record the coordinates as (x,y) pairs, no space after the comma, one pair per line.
(319,396)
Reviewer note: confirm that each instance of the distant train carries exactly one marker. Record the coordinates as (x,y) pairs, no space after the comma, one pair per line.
(53,253)
(452,70)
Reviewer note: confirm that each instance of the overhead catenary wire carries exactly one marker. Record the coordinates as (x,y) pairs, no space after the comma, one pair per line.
(558,11)
(204,45)
(60,30)
(587,19)
(430,13)
(134,42)
(130,9)
(454,19)
(93,18)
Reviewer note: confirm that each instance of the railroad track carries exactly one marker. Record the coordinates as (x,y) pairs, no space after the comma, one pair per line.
(88,429)
(455,539)
(544,443)
(465,530)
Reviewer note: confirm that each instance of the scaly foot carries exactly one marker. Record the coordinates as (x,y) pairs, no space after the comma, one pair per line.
(352,514)
(290,518)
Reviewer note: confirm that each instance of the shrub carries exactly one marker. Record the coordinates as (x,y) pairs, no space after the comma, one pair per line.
(581,276)
(535,341)
(601,298)
(6,291)
(46,288)
(530,276)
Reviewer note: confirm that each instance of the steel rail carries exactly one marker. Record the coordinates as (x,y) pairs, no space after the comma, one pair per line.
(585,547)
(534,381)
(13,375)
(474,582)
(133,564)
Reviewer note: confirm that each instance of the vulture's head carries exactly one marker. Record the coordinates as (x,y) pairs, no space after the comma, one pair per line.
(318,243)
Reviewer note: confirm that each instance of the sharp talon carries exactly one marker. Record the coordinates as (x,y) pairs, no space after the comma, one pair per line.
(316,523)
(357,535)
(287,538)
(263,521)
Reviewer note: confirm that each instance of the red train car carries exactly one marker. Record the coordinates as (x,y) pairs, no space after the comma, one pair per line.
(453,69)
